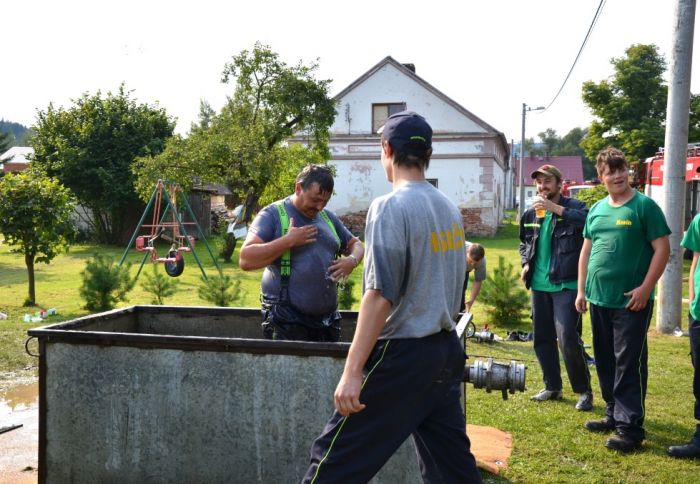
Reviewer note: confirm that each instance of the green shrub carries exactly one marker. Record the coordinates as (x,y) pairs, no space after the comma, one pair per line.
(346,298)
(591,195)
(504,295)
(220,290)
(104,284)
(159,285)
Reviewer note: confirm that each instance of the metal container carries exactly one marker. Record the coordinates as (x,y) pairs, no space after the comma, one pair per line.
(185,394)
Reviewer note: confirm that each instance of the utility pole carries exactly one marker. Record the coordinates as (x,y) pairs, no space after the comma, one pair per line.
(668,315)
(521,176)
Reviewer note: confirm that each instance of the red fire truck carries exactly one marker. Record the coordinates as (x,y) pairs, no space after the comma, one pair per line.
(651,173)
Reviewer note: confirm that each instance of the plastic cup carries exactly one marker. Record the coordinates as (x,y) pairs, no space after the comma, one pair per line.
(540,212)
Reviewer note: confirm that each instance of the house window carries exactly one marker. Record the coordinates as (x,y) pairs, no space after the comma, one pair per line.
(380,113)
(432,181)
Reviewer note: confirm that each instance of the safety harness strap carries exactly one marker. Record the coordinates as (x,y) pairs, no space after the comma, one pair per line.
(286,262)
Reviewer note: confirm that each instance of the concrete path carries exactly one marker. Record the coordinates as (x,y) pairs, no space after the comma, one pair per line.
(19,457)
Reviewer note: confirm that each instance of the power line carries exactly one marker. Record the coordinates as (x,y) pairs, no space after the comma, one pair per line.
(585,40)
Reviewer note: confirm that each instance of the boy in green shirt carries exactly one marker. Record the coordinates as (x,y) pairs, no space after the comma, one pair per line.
(624,253)
(691,241)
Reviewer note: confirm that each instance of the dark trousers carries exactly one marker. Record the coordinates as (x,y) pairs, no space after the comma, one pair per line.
(411,387)
(285,322)
(555,319)
(621,355)
(694,329)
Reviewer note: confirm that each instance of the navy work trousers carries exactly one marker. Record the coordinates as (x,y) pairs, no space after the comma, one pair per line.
(555,319)
(621,357)
(411,387)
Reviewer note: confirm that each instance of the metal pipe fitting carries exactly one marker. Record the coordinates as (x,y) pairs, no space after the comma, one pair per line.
(491,375)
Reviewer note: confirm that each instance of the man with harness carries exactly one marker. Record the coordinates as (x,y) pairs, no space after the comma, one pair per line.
(299,243)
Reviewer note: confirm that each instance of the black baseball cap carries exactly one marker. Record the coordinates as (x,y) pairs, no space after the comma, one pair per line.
(407,131)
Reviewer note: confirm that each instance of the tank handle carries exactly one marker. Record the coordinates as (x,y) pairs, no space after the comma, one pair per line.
(26,347)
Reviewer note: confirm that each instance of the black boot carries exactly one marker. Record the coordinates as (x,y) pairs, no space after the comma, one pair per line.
(687,451)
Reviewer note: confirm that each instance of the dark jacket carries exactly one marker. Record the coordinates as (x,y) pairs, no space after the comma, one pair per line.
(567,239)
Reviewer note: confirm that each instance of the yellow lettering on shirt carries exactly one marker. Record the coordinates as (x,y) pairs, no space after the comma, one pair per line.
(623,222)
(445,240)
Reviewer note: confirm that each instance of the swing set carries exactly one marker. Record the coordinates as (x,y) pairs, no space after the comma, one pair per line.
(167,224)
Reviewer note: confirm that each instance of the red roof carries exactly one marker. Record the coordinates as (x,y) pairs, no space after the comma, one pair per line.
(571,167)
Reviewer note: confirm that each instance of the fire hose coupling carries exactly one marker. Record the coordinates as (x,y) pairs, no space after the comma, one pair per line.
(491,375)
(483,336)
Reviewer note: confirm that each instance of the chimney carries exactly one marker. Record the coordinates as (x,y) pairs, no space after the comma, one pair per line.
(410,67)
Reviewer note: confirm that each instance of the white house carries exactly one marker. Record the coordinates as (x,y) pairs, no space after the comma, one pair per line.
(16,159)
(470,157)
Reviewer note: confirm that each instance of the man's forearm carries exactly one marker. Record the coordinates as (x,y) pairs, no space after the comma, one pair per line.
(583,265)
(476,289)
(691,278)
(256,254)
(356,249)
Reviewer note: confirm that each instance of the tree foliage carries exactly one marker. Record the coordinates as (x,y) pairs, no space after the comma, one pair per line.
(35,220)
(90,148)
(504,295)
(591,195)
(18,133)
(159,285)
(568,145)
(245,145)
(220,290)
(630,107)
(6,140)
(104,283)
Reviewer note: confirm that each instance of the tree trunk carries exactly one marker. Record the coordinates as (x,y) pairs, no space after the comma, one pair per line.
(29,261)
(227,250)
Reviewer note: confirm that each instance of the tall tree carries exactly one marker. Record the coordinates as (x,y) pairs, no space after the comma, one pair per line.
(630,107)
(5,141)
(90,148)
(245,145)
(550,139)
(35,216)
(570,144)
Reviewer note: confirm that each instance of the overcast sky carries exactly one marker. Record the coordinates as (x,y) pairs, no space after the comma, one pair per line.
(488,55)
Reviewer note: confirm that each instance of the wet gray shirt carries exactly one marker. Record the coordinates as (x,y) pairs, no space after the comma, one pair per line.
(310,290)
(414,255)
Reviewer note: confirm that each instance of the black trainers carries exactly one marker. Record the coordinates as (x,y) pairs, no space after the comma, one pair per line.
(545,394)
(622,443)
(585,402)
(687,451)
(602,425)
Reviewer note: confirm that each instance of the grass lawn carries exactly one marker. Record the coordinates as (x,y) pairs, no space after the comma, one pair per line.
(549,442)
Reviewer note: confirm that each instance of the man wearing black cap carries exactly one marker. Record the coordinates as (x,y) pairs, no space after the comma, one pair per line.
(550,243)
(403,371)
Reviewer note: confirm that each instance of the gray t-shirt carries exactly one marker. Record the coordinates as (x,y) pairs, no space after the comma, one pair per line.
(310,290)
(415,256)
(480,269)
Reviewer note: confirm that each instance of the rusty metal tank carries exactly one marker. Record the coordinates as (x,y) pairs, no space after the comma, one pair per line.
(185,394)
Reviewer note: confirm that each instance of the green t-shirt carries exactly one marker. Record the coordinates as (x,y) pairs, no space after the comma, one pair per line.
(621,247)
(691,241)
(543,259)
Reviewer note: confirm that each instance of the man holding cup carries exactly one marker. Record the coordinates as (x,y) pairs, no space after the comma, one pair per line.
(550,243)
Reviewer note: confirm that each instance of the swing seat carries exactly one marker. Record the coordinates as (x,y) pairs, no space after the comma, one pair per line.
(174,263)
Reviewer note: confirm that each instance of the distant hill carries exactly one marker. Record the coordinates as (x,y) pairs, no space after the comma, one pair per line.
(18,131)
